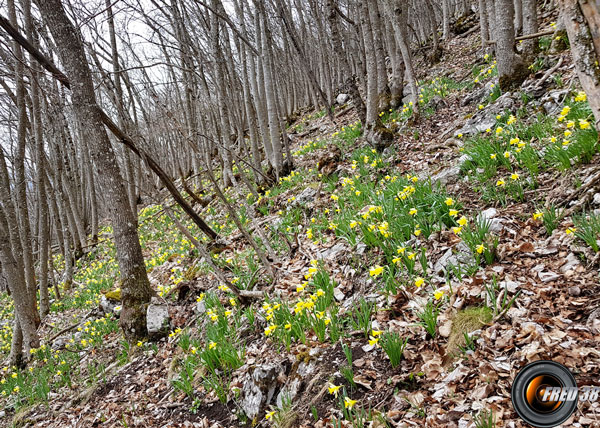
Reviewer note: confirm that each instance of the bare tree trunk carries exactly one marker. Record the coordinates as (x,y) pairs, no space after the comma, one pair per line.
(582,21)
(484,25)
(530,26)
(350,83)
(511,69)
(398,10)
(136,291)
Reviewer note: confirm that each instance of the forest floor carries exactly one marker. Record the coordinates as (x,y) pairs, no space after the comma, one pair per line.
(409,288)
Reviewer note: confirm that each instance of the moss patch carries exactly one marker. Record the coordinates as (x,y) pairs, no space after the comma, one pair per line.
(466,321)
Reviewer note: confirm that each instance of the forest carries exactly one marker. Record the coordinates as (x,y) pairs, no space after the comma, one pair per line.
(302,213)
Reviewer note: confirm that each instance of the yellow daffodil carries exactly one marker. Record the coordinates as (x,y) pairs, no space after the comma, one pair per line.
(419,282)
(376,271)
(348,403)
(333,389)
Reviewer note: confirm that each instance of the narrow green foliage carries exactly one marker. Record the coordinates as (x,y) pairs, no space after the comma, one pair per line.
(393,346)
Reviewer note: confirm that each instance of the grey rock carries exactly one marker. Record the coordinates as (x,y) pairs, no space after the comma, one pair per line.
(473,96)
(60,342)
(552,101)
(342,99)
(597,198)
(108,306)
(333,253)
(446,176)
(258,388)
(200,307)
(157,319)
(338,294)
(496,223)
(489,214)
(306,196)
(290,390)
(361,248)
(441,266)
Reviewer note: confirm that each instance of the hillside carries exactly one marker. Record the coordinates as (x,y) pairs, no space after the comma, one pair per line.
(380,287)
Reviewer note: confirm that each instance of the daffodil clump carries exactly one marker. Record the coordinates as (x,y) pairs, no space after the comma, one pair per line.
(508,158)
(50,370)
(310,147)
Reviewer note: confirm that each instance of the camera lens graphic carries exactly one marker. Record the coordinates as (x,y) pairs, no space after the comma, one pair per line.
(531,386)
(535,391)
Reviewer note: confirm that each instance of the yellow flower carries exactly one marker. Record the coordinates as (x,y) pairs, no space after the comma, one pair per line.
(419,282)
(568,133)
(400,250)
(499,130)
(584,124)
(480,248)
(270,414)
(417,232)
(333,389)
(449,201)
(376,271)
(374,341)
(514,141)
(288,326)
(514,176)
(480,106)
(453,213)
(511,120)
(140,343)
(462,221)
(438,295)
(570,230)
(500,183)
(538,215)
(212,345)
(493,156)
(506,155)
(488,130)
(348,403)
(460,135)
(457,230)
(581,96)
(270,329)
(412,211)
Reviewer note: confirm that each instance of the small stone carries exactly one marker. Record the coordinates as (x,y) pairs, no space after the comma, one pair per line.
(342,99)
(157,319)
(597,198)
(574,291)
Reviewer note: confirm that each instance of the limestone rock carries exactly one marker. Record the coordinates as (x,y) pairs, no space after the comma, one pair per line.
(259,388)
(342,99)
(157,319)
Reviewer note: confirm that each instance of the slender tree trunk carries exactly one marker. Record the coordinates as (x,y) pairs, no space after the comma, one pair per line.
(136,291)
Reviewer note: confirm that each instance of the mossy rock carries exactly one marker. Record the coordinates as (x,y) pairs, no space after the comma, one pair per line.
(113,295)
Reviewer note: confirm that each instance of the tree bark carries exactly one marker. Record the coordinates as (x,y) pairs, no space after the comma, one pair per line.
(136,290)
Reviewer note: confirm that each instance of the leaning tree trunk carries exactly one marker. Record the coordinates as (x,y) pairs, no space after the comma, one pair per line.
(135,287)
(582,21)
